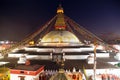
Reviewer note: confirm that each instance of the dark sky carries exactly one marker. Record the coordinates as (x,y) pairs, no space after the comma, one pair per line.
(19,18)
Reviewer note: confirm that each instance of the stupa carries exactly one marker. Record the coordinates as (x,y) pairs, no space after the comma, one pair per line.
(62,44)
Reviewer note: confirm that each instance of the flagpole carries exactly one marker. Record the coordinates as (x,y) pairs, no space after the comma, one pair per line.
(94,68)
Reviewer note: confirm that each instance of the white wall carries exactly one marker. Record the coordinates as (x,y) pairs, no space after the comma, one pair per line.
(90,72)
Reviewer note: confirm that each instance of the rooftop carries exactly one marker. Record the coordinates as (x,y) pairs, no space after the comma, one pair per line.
(28,67)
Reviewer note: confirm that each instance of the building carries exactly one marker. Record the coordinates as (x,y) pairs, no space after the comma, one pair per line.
(26,72)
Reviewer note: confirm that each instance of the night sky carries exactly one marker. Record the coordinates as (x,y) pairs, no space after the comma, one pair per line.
(19,18)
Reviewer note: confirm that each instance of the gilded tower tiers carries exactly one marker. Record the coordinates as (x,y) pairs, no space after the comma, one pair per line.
(60,23)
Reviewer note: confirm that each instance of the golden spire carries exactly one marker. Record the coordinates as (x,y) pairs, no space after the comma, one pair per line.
(60,22)
(60,9)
